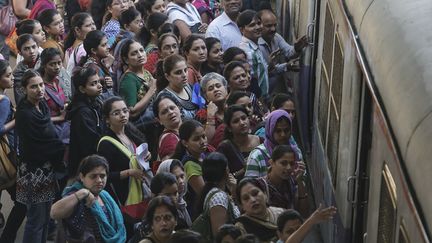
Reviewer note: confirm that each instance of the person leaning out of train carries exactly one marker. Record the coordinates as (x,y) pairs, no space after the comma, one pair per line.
(89,213)
(276,51)
(277,132)
(284,180)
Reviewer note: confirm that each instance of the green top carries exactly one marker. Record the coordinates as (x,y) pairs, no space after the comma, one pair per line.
(133,88)
(192,168)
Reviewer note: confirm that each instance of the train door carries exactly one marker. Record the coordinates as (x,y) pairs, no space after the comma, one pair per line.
(303,21)
(385,211)
(358,184)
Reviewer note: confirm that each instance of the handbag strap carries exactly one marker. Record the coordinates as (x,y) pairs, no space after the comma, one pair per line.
(230,209)
(207,209)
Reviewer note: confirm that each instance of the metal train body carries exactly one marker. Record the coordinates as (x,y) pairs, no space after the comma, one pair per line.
(365,101)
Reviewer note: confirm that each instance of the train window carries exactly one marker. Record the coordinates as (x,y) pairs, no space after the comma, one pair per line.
(335,108)
(323,105)
(387,208)
(403,234)
(337,74)
(329,30)
(333,140)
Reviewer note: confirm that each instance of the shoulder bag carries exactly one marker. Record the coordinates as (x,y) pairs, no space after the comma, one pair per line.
(8,19)
(202,224)
(8,163)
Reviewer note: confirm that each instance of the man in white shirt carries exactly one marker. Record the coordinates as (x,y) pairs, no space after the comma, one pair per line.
(225,27)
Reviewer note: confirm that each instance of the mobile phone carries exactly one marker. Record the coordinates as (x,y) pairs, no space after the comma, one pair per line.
(276,53)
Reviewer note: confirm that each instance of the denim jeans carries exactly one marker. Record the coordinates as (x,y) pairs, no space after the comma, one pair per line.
(36,228)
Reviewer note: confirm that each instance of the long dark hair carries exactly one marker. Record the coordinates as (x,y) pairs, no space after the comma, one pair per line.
(128,16)
(97,11)
(26,26)
(77,21)
(153,22)
(46,17)
(145,6)
(92,41)
(125,51)
(186,130)
(214,170)
(4,64)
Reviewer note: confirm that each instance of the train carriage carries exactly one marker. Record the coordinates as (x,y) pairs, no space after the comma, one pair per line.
(365,97)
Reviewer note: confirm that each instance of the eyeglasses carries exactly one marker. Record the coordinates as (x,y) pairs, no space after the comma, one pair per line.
(119,112)
(164,217)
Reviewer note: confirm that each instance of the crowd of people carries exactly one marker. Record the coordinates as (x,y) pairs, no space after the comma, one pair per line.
(152,121)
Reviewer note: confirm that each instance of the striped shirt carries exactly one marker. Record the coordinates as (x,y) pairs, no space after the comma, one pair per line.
(257,163)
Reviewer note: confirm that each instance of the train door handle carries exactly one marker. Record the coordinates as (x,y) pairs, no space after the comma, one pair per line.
(310,33)
(365,182)
(351,189)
